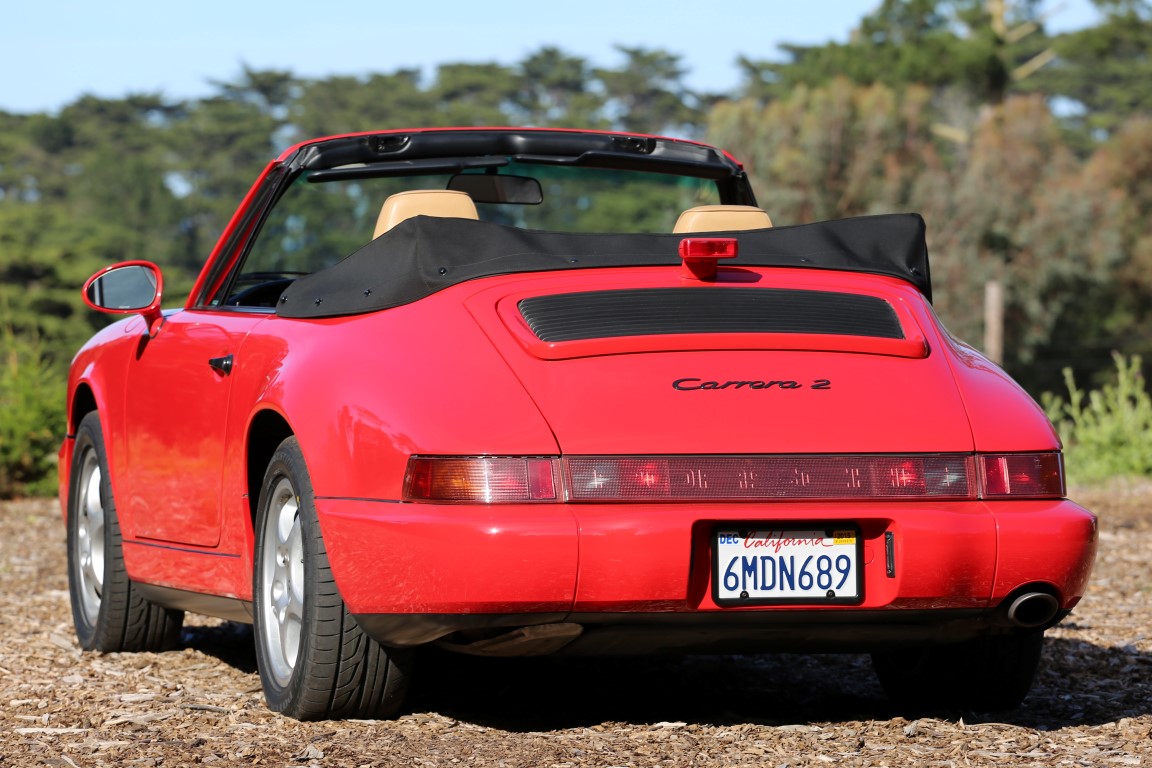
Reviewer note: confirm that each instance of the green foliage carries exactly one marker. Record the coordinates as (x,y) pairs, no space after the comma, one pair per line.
(971,55)
(1055,206)
(1107,432)
(558,90)
(31,415)
(648,95)
(1106,70)
(943,44)
(840,150)
(344,104)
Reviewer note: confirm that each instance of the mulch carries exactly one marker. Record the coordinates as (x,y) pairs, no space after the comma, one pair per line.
(201,705)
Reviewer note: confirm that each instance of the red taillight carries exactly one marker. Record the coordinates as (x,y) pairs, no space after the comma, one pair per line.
(1022,475)
(519,479)
(480,479)
(709,248)
(698,255)
(907,477)
(651,475)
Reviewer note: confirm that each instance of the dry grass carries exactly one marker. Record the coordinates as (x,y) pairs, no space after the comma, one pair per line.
(1092,705)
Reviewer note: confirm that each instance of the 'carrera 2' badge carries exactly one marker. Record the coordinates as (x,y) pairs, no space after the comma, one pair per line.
(692,384)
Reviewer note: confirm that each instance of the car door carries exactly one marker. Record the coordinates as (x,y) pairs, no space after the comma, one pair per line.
(176,405)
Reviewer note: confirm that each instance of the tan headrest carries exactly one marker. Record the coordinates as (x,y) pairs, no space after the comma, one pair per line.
(721,218)
(424,202)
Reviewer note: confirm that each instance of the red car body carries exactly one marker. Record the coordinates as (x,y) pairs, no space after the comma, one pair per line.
(723,435)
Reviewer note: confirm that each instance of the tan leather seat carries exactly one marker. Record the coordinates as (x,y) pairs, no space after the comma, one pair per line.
(721,218)
(424,202)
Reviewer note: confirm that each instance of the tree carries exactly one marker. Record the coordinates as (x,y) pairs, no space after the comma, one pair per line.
(1105,72)
(81,190)
(1118,173)
(979,48)
(270,90)
(1020,214)
(350,104)
(223,143)
(648,94)
(840,150)
(558,89)
(474,94)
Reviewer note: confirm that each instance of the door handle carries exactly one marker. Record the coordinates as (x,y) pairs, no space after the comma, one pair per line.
(222,365)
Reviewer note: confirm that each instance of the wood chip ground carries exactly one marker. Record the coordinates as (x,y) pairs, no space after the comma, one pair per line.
(201,705)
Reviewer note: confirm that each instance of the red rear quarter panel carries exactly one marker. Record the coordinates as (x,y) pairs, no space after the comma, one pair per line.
(364,393)
(1004,417)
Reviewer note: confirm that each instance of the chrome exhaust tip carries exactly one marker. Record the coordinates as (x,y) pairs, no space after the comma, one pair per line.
(1033,609)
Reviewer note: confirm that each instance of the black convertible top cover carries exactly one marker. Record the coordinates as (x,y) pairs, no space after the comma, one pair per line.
(424,255)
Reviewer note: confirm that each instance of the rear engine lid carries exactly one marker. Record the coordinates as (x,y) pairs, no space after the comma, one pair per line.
(639,365)
(748,402)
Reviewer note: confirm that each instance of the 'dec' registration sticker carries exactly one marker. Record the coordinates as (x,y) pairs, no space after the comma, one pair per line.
(817,566)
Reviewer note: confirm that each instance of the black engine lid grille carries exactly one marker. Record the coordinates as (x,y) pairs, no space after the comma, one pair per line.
(662,311)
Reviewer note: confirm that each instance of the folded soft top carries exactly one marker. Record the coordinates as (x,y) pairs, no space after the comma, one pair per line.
(423,255)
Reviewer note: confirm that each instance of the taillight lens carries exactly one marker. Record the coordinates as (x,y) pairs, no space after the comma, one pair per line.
(519,479)
(481,479)
(709,248)
(1021,475)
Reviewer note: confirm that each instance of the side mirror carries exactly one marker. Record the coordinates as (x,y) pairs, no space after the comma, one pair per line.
(131,287)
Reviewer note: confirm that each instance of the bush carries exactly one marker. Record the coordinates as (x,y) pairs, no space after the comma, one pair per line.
(32,417)
(1107,432)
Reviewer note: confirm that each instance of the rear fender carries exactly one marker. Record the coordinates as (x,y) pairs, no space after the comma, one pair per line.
(1004,417)
(429,390)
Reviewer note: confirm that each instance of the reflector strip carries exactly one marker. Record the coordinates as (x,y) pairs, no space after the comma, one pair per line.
(747,478)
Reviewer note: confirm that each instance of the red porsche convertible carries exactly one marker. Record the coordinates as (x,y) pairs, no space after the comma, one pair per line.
(522,391)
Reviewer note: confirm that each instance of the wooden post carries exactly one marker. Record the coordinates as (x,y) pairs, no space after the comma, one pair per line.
(994,321)
(996,10)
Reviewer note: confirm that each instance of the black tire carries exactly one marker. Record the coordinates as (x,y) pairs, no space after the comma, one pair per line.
(315,662)
(987,674)
(108,611)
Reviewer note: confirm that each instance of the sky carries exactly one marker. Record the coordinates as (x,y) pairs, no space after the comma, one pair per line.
(53,52)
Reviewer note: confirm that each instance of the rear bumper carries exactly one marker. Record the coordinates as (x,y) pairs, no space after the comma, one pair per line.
(414,573)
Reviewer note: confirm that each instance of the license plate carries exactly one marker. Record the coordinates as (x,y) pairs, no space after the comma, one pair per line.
(769,565)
